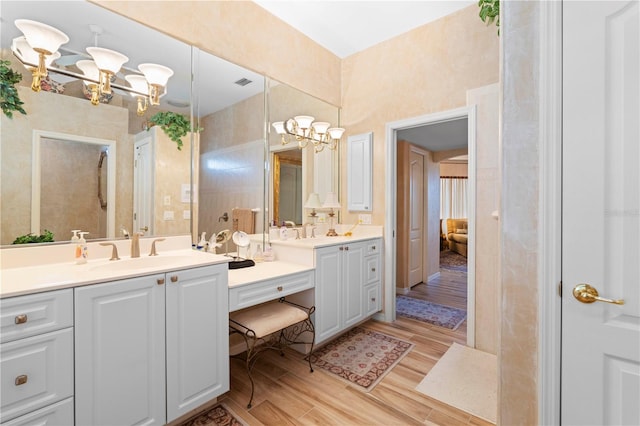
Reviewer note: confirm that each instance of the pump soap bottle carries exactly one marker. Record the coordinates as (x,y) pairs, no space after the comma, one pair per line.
(75,240)
(84,250)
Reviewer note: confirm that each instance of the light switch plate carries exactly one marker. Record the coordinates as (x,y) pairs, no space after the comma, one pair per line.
(167,200)
(168,215)
(186,214)
(364,219)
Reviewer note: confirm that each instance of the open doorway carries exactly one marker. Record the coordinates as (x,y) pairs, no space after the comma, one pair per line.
(401,130)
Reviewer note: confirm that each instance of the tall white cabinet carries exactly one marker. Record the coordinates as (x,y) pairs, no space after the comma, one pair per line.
(347,286)
(150,349)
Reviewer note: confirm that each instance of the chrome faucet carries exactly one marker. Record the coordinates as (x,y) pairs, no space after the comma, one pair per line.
(135,244)
(297,233)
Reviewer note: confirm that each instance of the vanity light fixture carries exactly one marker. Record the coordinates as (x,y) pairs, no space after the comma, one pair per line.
(304,130)
(109,63)
(45,41)
(331,202)
(30,56)
(39,48)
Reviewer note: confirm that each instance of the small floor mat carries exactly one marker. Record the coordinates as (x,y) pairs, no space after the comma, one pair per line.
(361,357)
(218,415)
(466,379)
(432,313)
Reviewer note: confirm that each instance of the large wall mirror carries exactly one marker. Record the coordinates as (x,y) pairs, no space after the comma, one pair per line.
(297,172)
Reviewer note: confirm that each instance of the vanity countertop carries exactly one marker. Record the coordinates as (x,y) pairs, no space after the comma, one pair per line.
(263,271)
(52,276)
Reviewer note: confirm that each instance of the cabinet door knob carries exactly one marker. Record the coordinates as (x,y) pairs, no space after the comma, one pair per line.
(373,248)
(373,269)
(346,248)
(341,248)
(280,288)
(373,299)
(21,379)
(21,319)
(174,279)
(160,281)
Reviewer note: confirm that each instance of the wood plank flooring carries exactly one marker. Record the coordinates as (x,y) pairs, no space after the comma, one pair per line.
(288,394)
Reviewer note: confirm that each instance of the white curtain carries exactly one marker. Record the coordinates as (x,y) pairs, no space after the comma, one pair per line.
(453,198)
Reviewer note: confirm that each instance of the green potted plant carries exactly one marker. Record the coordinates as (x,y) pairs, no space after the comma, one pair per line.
(490,12)
(47,237)
(9,97)
(173,124)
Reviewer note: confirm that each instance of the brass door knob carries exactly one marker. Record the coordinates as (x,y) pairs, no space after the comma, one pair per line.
(587,294)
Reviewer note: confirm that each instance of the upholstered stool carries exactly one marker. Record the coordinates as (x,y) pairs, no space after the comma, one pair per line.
(272,325)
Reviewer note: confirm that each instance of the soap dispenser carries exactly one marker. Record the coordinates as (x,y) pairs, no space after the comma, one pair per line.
(284,232)
(84,250)
(75,241)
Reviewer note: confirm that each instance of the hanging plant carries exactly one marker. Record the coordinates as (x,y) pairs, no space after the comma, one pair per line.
(490,12)
(173,124)
(9,97)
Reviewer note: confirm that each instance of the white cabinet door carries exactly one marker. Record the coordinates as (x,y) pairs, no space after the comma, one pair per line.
(197,338)
(359,172)
(120,352)
(328,317)
(352,283)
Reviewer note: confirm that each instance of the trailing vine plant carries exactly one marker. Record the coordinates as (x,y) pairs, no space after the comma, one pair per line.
(490,12)
(9,97)
(173,124)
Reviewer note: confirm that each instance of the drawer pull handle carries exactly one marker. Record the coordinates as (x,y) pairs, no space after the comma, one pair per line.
(21,379)
(160,281)
(280,288)
(373,269)
(373,299)
(21,319)
(174,279)
(373,248)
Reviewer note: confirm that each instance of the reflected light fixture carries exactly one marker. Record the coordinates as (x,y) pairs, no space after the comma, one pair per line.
(157,76)
(38,48)
(45,41)
(91,71)
(331,202)
(303,130)
(139,84)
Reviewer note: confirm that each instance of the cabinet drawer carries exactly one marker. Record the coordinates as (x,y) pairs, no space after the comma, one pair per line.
(25,316)
(372,301)
(255,293)
(58,414)
(35,372)
(373,247)
(372,269)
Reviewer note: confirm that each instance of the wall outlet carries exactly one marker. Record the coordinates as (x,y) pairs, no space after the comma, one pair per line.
(168,215)
(364,219)
(167,200)
(186,214)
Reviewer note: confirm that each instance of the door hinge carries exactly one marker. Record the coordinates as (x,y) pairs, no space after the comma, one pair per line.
(560,289)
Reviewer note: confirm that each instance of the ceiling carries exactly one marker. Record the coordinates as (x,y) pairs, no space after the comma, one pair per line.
(441,136)
(346,27)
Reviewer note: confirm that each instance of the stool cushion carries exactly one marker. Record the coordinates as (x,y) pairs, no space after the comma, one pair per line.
(267,318)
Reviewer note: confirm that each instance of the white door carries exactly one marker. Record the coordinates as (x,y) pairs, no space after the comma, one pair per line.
(601,216)
(143,186)
(416,217)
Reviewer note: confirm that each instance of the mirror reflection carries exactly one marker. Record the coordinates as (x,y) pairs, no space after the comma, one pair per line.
(298,172)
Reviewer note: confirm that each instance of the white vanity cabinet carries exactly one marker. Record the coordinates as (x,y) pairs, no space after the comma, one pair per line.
(150,349)
(36,358)
(344,286)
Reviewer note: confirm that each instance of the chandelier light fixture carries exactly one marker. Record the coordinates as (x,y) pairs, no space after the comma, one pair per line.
(302,129)
(38,48)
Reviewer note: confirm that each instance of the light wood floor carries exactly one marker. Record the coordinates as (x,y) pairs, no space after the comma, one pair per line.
(288,394)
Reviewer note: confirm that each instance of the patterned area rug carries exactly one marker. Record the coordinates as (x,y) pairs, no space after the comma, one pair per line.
(361,357)
(421,310)
(452,261)
(218,415)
